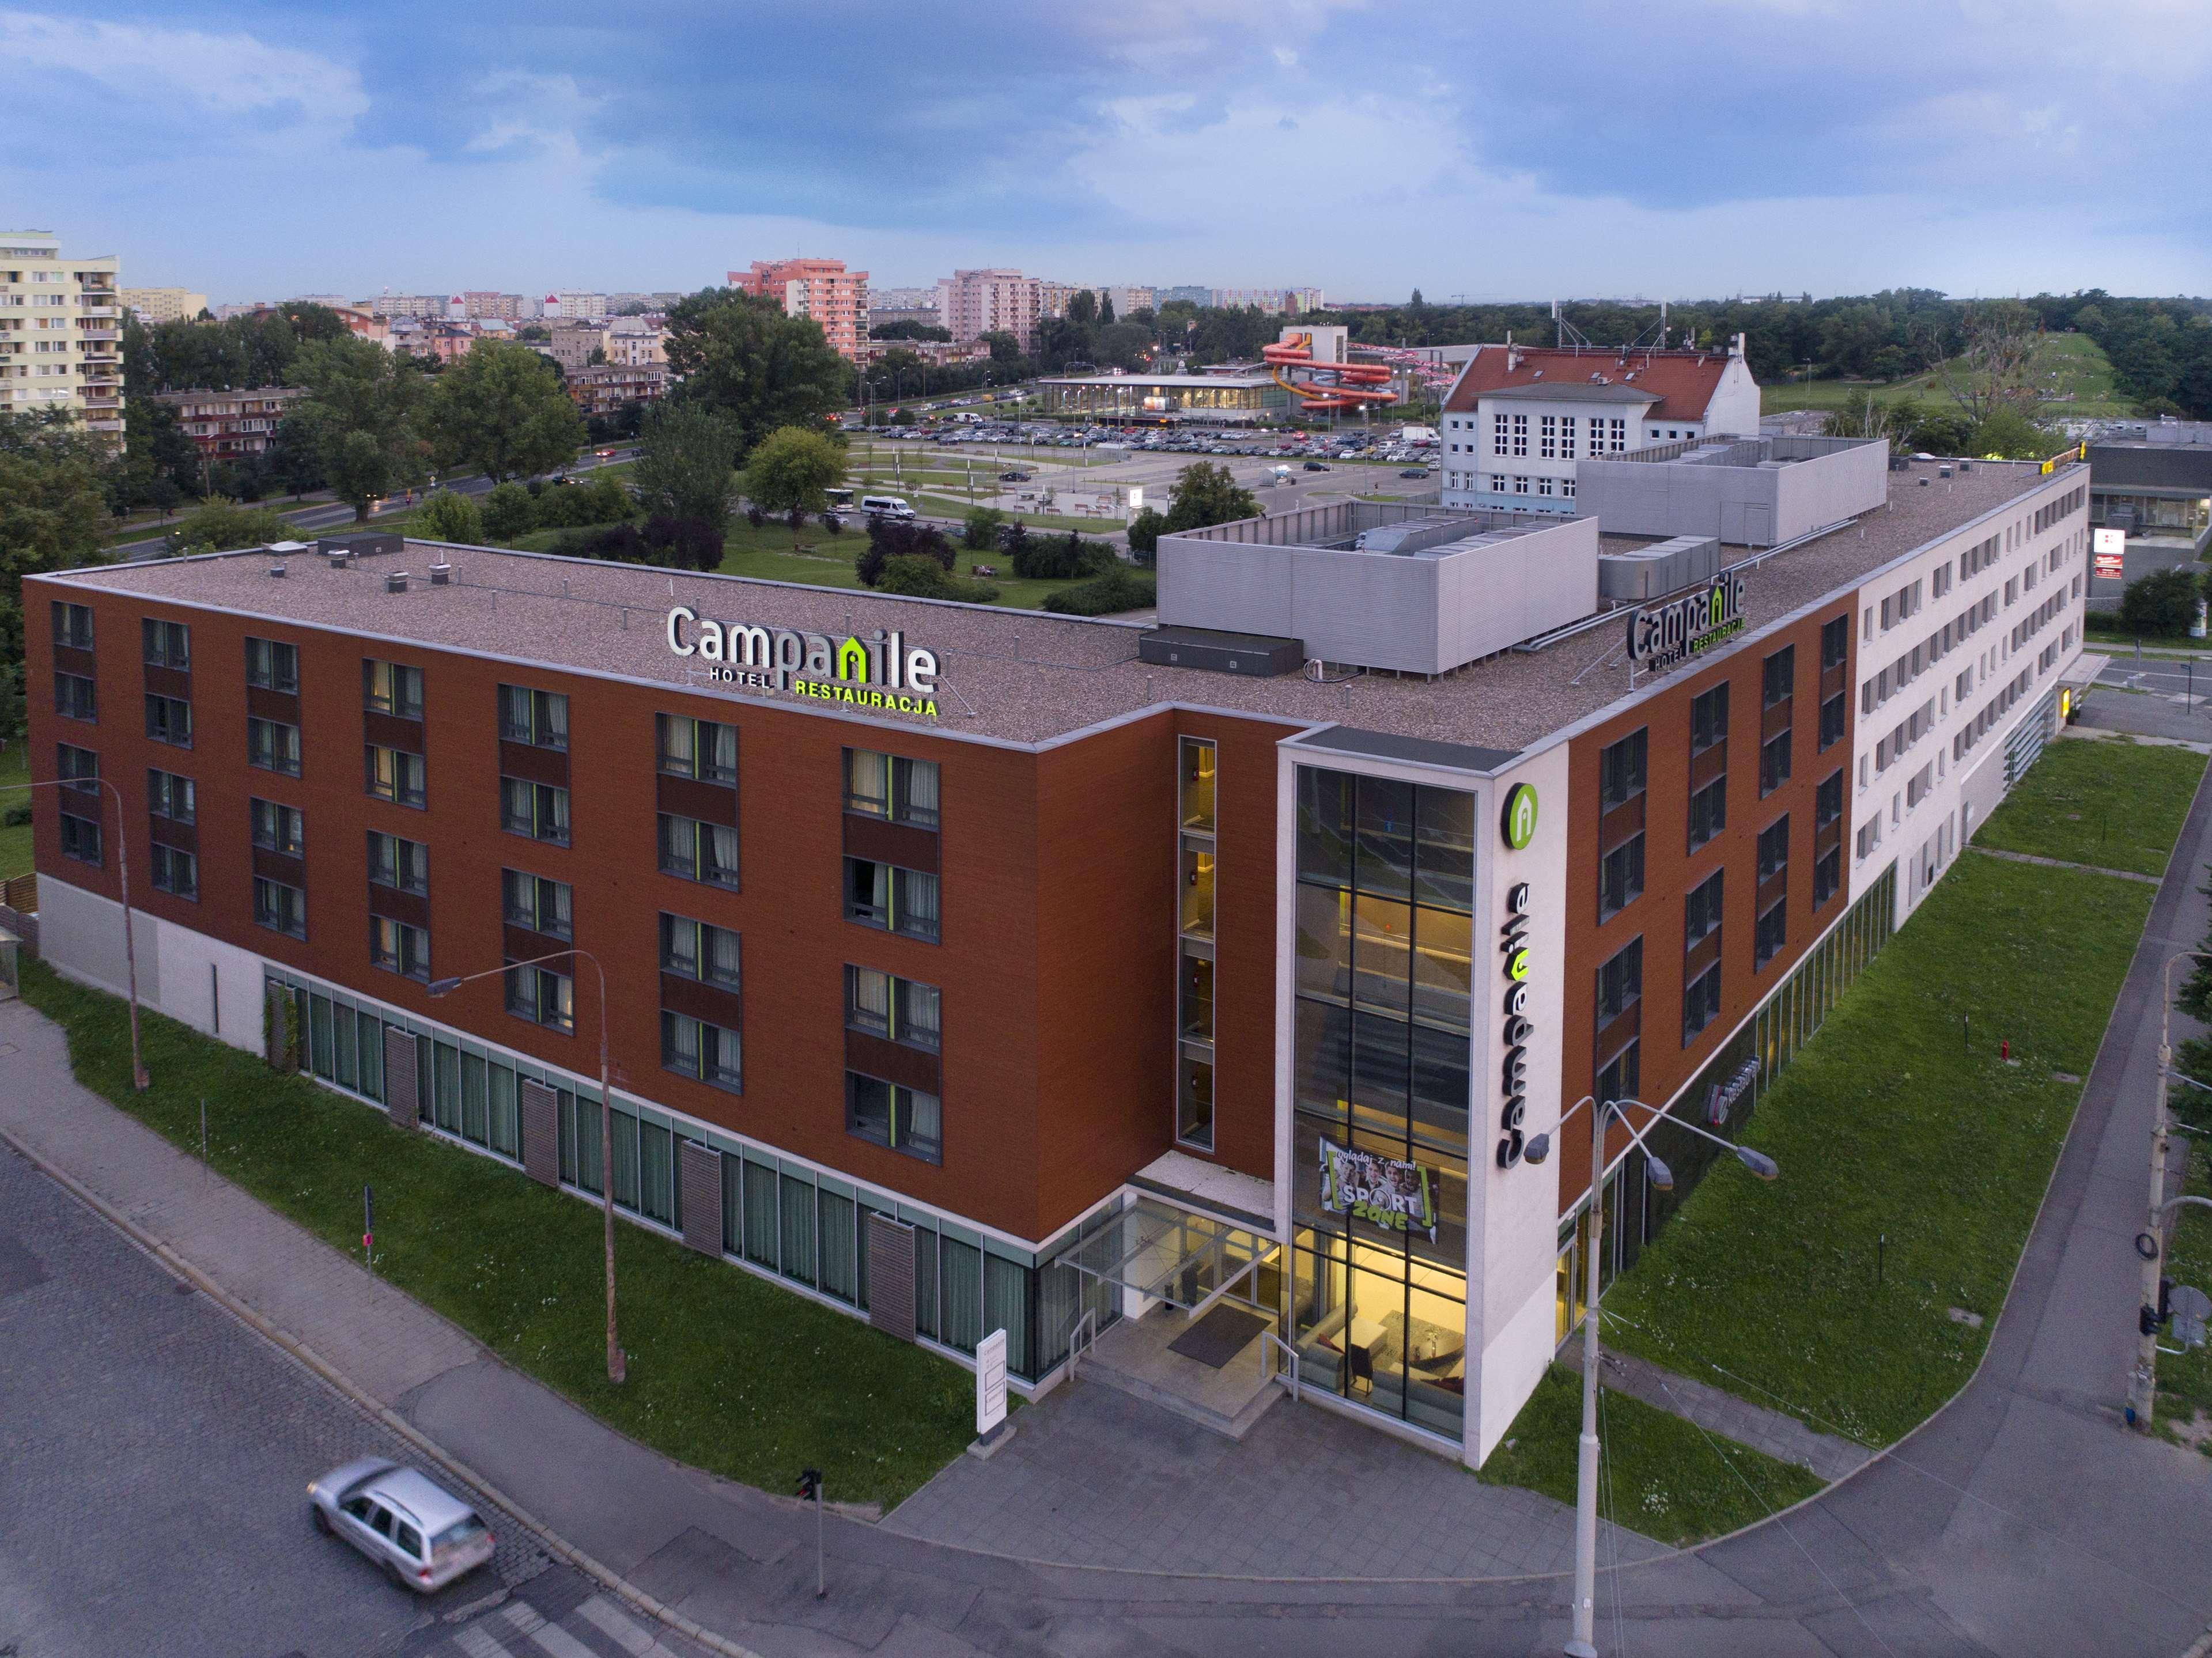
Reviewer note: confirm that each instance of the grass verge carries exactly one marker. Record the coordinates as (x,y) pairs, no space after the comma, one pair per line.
(2184,1382)
(1661,1476)
(728,1372)
(2105,801)
(15,841)
(1912,1163)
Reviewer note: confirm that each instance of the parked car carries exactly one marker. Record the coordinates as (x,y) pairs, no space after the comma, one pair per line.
(1014,477)
(418,1533)
(1414,472)
(1316,466)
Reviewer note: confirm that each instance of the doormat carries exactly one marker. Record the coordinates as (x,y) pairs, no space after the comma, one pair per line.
(1219,1336)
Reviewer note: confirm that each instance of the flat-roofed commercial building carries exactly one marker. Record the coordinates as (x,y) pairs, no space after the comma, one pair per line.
(977,971)
(1234,398)
(61,333)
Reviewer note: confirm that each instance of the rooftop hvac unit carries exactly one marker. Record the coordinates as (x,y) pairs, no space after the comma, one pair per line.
(1662,567)
(441,575)
(396,582)
(277,568)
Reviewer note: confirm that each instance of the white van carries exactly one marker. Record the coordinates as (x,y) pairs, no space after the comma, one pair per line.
(886,505)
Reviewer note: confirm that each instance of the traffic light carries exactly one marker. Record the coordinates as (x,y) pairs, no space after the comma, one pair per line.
(810,1484)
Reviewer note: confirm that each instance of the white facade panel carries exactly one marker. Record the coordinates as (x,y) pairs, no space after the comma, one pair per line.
(213,986)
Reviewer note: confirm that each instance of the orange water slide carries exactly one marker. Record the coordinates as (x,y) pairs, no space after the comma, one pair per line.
(1327,385)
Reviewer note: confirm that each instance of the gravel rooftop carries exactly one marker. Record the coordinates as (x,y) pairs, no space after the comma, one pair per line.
(1010,676)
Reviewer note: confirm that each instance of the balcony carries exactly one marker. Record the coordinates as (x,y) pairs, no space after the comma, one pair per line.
(92,401)
(99,332)
(104,425)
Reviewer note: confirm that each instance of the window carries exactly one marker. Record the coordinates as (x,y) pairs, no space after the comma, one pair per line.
(1772,930)
(1620,982)
(537,718)
(897,1010)
(537,904)
(1773,763)
(392,688)
(169,796)
(885,895)
(169,720)
(1201,773)
(1774,848)
(176,872)
(1777,675)
(692,1047)
(891,787)
(1620,877)
(1829,800)
(279,828)
(73,698)
(1709,718)
(396,775)
(72,626)
(1835,642)
(1701,1002)
(272,665)
(404,865)
(1831,722)
(169,644)
(537,809)
(1828,875)
(698,852)
(397,948)
(694,949)
(272,746)
(1622,1076)
(1547,427)
(696,748)
(1708,812)
(80,836)
(1620,770)
(905,1119)
(1701,910)
(541,996)
(279,907)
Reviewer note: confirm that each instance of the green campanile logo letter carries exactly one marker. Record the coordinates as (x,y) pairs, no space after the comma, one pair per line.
(852,660)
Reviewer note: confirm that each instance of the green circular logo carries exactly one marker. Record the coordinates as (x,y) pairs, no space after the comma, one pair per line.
(1520,814)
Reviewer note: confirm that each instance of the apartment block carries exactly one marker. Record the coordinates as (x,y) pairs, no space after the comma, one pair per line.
(977,303)
(61,332)
(230,425)
(820,288)
(164,303)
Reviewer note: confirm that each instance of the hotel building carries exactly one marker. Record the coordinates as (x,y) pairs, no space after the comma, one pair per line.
(974,971)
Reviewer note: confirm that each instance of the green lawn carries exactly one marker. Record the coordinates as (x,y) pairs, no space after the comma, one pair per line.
(1660,1476)
(2184,1383)
(1887,1126)
(14,843)
(2105,802)
(728,1372)
(2064,364)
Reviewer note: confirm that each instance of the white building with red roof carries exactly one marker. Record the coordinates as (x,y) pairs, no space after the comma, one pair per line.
(1519,418)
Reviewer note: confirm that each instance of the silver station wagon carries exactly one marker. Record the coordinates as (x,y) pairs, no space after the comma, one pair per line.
(417,1532)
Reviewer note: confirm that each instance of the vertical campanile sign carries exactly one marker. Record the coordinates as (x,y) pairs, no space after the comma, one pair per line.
(1517,828)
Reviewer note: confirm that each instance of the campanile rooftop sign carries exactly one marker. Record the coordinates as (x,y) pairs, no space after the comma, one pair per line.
(881,671)
(1665,635)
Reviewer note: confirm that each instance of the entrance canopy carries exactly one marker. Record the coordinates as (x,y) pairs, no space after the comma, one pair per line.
(1155,1250)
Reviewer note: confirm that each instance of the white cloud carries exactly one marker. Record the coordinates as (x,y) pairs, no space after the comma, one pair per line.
(231,74)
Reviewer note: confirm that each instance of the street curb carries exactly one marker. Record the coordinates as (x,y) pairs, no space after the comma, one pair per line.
(559,1547)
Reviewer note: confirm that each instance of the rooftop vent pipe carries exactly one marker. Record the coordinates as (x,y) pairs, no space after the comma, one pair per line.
(396,582)
(441,575)
(277,568)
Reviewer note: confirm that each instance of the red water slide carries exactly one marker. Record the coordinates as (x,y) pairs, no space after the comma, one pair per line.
(1323,386)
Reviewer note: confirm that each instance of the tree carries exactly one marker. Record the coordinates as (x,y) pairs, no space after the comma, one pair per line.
(685,452)
(1105,307)
(447,516)
(508,512)
(362,414)
(2007,435)
(223,525)
(1207,493)
(1144,534)
(907,329)
(739,356)
(792,469)
(1991,371)
(1005,348)
(2163,602)
(980,529)
(290,460)
(52,510)
(1083,308)
(503,410)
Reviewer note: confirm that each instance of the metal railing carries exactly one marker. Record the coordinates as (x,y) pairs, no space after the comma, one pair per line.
(1078,1343)
(1268,1342)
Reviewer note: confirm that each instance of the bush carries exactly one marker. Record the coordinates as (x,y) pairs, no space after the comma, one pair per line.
(222,525)
(890,537)
(981,531)
(2164,602)
(509,512)
(1014,542)
(684,543)
(754,516)
(1121,588)
(617,544)
(1062,558)
(1145,535)
(915,576)
(447,516)
(14,816)
(833,524)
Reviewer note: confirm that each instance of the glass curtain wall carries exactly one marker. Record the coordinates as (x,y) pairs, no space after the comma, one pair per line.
(1384,972)
(1194,985)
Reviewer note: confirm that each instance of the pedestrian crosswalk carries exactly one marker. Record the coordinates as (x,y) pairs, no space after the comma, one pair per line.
(597,1629)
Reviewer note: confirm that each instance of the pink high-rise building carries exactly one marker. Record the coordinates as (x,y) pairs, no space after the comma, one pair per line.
(978,302)
(821,289)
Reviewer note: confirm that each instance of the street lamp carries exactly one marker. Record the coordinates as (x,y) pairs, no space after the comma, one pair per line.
(1583,1643)
(2142,1387)
(139,1080)
(617,1362)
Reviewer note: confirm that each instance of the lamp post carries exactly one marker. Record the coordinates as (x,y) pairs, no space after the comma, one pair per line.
(139,1080)
(1583,1643)
(2142,1385)
(617,1362)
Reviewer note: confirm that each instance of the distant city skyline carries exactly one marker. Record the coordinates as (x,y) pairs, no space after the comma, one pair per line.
(1764,145)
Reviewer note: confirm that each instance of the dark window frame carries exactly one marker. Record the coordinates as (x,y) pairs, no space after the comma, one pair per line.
(1709,718)
(1778,668)
(665,854)
(403,677)
(1775,758)
(280,816)
(699,968)
(419,881)
(1629,887)
(281,672)
(416,799)
(66,614)
(161,711)
(166,644)
(1624,769)
(536,730)
(899,1025)
(533,916)
(922,1148)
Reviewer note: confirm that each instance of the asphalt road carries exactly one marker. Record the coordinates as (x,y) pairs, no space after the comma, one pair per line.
(154,1459)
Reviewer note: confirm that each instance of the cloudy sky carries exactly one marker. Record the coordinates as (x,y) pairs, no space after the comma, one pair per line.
(1467,147)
